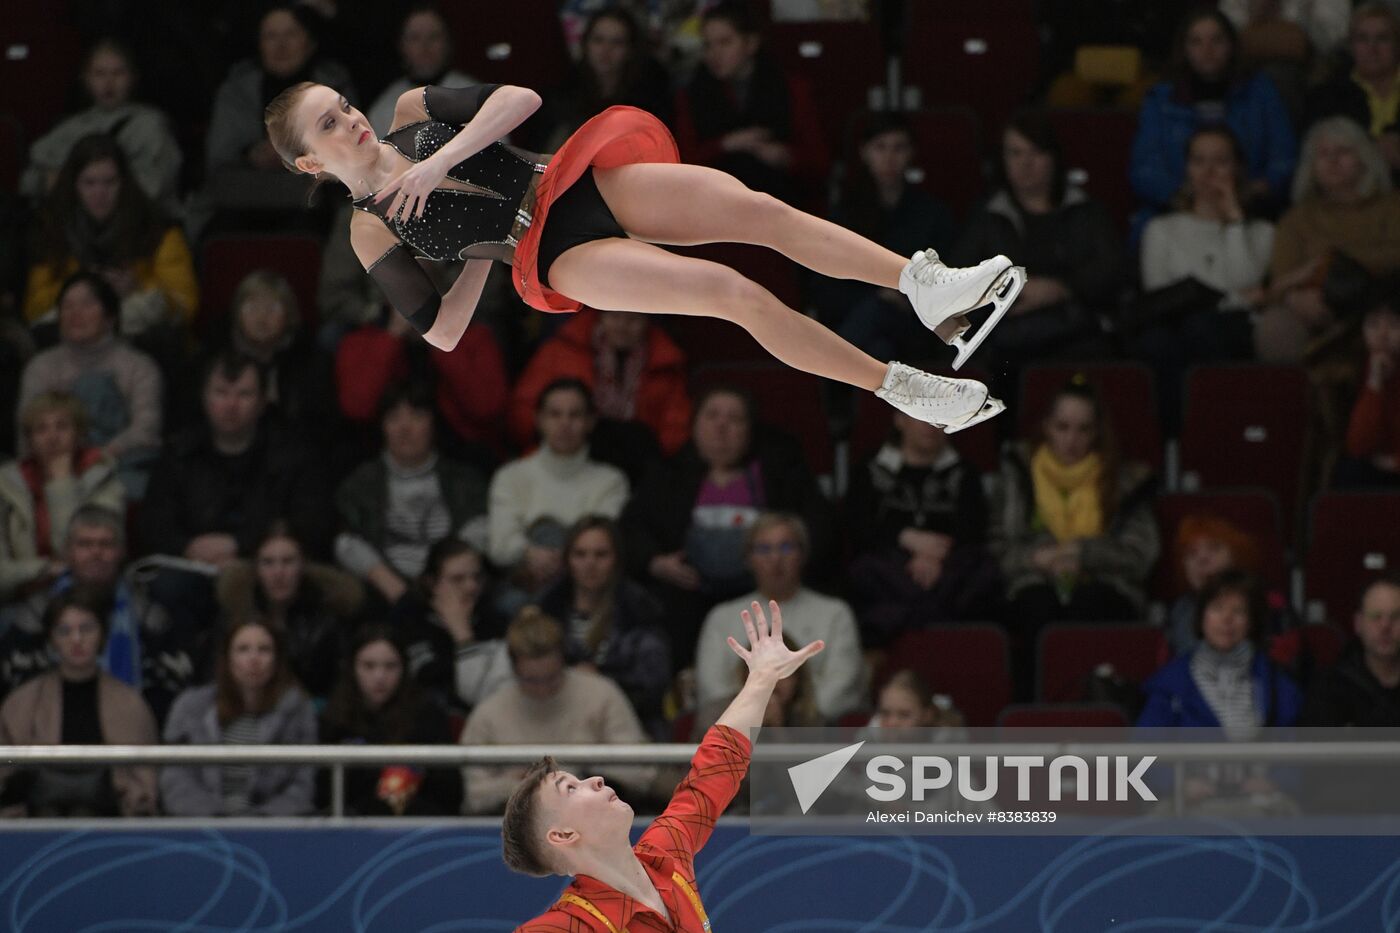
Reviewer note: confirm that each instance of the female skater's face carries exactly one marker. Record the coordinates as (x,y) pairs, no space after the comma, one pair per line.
(98,186)
(1028,168)
(1337,168)
(721,430)
(592,560)
(887,156)
(1225,622)
(1207,49)
(727,51)
(1070,430)
(108,79)
(336,136)
(606,47)
(378,671)
(279,567)
(283,44)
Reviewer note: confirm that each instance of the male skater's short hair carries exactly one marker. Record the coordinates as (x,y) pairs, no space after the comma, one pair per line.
(522,842)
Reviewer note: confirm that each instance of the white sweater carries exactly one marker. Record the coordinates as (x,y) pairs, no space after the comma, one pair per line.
(546,484)
(838,672)
(1228,257)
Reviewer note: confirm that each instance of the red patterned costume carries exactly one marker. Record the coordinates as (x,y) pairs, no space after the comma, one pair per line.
(667,850)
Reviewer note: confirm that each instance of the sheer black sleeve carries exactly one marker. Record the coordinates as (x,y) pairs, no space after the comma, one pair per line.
(455,105)
(407,287)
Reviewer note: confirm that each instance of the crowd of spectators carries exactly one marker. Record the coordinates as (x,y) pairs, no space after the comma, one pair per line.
(282,518)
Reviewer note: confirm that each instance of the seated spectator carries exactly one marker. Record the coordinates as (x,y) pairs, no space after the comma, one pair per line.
(265,323)
(1072,525)
(686,524)
(221,484)
(40,492)
(558,483)
(1205,547)
(1208,240)
(243,171)
(907,702)
(1363,688)
(547,702)
(312,604)
(776,550)
(634,371)
(1365,89)
(614,67)
(1066,241)
(917,520)
(118,385)
(472,388)
(254,700)
(741,113)
(1209,87)
(77,704)
(877,201)
(1373,435)
(142,131)
(144,648)
(395,507)
(377,703)
(1227,681)
(97,219)
(612,626)
(425,48)
(446,631)
(1343,203)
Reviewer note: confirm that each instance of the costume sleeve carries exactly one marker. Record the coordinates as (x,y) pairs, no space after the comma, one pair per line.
(456,105)
(407,287)
(716,772)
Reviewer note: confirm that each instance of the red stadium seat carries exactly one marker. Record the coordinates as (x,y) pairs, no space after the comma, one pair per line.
(970,54)
(1308,648)
(1128,392)
(948,159)
(969,662)
(1353,537)
(787,399)
(1069,652)
(1098,143)
(521,42)
(841,61)
(1253,511)
(1062,716)
(225,260)
(873,418)
(1245,426)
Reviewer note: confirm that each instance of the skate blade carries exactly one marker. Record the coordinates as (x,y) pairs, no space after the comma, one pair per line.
(990,409)
(1002,295)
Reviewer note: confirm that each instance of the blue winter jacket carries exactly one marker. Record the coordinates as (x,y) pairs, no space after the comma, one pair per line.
(1173,699)
(1254,111)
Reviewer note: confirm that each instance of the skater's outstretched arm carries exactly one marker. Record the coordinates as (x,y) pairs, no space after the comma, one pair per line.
(769,661)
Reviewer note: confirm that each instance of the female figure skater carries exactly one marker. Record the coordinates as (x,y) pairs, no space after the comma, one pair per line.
(558,824)
(580,227)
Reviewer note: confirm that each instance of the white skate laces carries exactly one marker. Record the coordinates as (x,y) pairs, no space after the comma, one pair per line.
(951,404)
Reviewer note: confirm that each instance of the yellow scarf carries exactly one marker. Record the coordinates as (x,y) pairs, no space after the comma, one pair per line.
(1067,497)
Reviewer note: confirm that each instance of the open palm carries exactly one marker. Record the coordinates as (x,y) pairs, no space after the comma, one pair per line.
(767,653)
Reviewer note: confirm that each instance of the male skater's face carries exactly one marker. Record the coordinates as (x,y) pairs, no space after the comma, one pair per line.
(587,806)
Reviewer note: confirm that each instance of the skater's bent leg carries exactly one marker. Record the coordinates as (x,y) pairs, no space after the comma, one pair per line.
(684,205)
(629,275)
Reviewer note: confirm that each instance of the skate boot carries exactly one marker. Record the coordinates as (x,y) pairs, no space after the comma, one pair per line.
(951,404)
(942,296)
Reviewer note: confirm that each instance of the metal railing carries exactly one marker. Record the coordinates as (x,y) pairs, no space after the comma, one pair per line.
(338,757)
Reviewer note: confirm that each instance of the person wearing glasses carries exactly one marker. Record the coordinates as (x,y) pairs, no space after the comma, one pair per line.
(776,551)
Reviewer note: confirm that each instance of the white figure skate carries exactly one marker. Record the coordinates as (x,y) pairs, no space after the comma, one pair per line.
(951,404)
(942,296)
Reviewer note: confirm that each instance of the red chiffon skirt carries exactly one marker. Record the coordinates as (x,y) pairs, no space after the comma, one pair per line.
(617,136)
